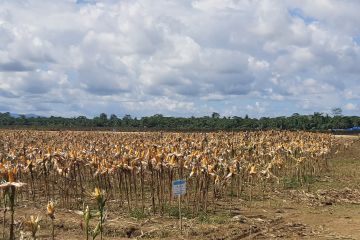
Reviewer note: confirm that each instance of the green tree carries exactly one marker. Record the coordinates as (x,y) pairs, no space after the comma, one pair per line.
(336,111)
(215,115)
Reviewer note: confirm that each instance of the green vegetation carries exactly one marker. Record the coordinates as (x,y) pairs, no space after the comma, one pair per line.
(213,219)
(139,214)
(317,121)
(293,182)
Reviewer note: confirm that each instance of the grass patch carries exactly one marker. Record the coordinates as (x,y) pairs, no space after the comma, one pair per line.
(308,179)
(173,211)
(294,183)
(139,214)
(212,219)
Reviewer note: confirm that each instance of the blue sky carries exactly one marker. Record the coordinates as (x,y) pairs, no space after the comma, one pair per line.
(298,12)
(179,57)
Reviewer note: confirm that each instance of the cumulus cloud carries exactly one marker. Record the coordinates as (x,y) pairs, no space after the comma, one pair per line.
(191,57)
(351,107)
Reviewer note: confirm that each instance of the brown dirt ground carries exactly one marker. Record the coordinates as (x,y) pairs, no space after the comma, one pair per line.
(329,208)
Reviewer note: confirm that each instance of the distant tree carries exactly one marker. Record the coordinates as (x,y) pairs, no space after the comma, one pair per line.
(127,117)
(80,121)
(101,121)
(114,120)
(316,121)
(113,117)
(215,115)
(336,111)
(126,121)
(103,116)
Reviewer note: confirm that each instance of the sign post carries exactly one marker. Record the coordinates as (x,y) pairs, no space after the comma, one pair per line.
(180,217)
(179,188)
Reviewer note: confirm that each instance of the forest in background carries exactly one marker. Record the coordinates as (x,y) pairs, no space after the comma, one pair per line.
(316,121)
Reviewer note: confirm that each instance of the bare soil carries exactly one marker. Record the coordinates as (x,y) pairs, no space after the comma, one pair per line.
(328,208)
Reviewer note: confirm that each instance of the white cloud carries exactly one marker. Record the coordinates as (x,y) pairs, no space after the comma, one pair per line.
(177,57)
(351,107)
(257,107)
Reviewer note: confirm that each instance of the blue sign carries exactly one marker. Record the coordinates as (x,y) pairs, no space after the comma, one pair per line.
(179,187)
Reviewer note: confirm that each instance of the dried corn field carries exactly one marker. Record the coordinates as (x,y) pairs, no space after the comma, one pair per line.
(132,174)
(136,170)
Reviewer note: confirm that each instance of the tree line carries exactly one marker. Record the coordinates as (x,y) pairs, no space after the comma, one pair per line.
(316,121)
